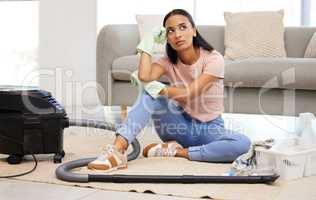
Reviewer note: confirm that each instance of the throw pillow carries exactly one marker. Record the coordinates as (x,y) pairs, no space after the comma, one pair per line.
(146,23)
(254,34)
(310,51)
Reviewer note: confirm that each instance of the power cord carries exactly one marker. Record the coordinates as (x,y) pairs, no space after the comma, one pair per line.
(34,159)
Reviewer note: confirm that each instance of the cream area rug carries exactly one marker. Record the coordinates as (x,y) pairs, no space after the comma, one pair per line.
(87,142)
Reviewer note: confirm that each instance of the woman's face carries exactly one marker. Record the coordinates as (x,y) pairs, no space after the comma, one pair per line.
(179,32)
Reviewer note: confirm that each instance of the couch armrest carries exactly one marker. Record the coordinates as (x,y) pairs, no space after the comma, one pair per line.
(113,41)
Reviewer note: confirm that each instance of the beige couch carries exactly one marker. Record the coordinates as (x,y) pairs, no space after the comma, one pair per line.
(285,86)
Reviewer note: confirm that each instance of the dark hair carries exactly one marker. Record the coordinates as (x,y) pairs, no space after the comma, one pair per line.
(198,40)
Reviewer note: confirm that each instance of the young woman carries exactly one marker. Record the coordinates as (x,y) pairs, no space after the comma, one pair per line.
(186,114)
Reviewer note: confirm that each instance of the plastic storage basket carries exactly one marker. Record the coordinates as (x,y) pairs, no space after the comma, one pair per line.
(290,165)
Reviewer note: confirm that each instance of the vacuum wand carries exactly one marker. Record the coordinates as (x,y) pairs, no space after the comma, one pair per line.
(64,172)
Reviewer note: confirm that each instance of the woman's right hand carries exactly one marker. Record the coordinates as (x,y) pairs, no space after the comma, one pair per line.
(156,36)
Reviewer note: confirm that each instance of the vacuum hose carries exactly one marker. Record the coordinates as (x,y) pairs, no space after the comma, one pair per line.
(63,172)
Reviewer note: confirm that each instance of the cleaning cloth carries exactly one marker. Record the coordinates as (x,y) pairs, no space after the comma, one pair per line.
(245,164)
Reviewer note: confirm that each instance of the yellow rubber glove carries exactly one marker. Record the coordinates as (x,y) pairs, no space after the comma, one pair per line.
(156,36)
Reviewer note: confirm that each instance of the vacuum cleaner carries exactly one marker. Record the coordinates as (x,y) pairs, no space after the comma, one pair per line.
(32,122)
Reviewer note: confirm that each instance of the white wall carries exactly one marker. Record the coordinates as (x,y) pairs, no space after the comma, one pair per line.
(67,50)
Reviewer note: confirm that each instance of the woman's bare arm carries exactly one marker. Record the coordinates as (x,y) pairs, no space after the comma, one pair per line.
(196,88)
(147,71)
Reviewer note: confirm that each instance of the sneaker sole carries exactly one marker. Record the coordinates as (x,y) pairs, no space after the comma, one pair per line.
(105,168)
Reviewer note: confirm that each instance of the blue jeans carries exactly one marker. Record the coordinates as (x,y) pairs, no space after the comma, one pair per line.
(206,141)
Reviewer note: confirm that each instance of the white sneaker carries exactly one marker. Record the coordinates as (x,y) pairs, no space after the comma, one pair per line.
(109,159)
(161,150)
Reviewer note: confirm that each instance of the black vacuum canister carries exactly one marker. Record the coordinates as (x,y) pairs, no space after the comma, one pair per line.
(31,122)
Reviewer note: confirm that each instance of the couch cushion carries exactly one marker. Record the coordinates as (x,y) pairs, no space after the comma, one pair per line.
(310,51)
(287,73)
(245,39)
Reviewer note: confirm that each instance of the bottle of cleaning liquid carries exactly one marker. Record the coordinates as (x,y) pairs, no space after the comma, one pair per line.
(302,122)
(307,134)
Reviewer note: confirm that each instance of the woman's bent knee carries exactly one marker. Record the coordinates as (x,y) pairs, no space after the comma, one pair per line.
(242,145)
